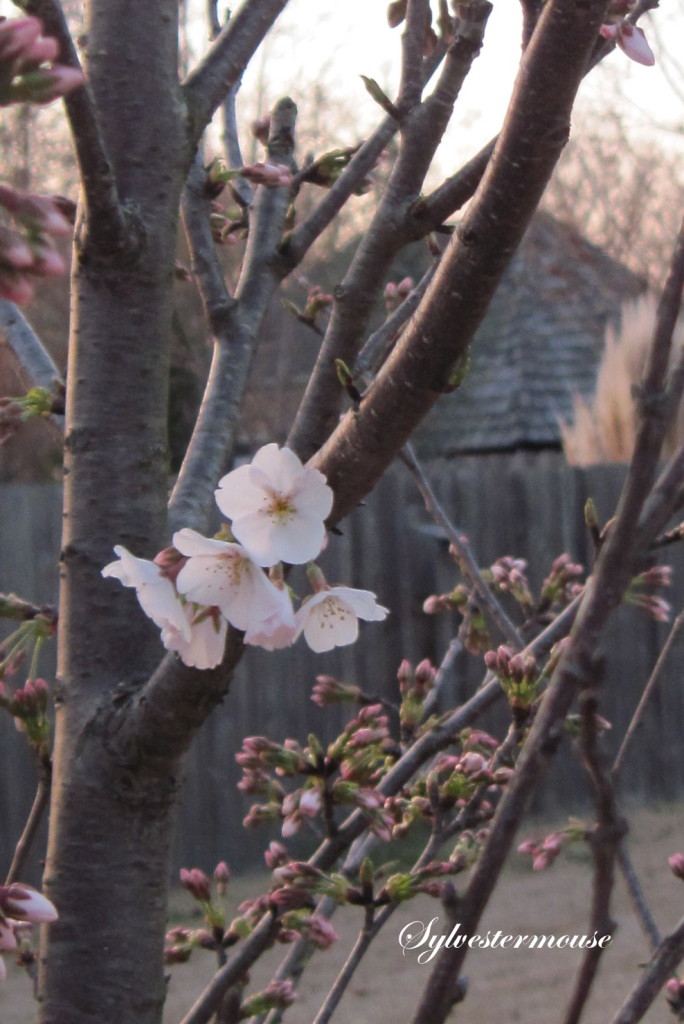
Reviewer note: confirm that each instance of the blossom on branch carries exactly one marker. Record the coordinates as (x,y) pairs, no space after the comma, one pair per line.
(197,636)
(221,573)
(278,507)
(330,618)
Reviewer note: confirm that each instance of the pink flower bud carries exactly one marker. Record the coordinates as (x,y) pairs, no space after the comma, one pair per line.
(25,903)
(276,855)
(14,251)
(16,35)
(321,932)
(310,802)
(221,873)
(46,84)
(43,50)
(197,884)
(676,862)
(633,42)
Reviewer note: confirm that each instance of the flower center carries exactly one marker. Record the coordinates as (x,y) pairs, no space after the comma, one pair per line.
(280,508)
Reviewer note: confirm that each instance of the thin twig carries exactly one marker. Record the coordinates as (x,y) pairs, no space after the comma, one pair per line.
(485,598)
(663,964)
(224,63)
(234,324)
(33,822)
(35,361)
(381,342)
(441,736)
(604,841)
(653,681)
(636,896)
(370,929)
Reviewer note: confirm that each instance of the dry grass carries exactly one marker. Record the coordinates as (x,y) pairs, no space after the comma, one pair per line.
(603,426)
(504,985)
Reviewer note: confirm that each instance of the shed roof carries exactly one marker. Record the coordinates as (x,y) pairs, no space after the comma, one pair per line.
(539,343)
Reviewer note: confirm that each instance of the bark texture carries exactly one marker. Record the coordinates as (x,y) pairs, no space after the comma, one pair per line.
(108,851)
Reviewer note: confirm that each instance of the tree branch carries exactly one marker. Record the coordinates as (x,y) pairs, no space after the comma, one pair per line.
(665,961)
(623,546)
(225,61)
(653,680)
(106,215)
(422,128)
(429,744)
(34,360)
(604,841)
(437,338)
(234,324)
(36,815)
(464,557)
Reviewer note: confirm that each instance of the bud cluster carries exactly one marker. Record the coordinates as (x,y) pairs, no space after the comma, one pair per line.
(414,686)
(396,293)
(544,851)
(518,675)
(655,606)
(28,706)
(27,250)
(209,893)
(562,584)
(344,774)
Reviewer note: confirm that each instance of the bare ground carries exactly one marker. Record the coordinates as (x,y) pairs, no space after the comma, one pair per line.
(505,985)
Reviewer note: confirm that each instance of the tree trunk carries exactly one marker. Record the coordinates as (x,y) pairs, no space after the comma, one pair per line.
(108,856)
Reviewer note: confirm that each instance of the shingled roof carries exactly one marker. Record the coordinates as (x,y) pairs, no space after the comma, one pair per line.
(539,344)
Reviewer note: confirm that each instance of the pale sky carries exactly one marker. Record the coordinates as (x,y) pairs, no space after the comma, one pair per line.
(326,46)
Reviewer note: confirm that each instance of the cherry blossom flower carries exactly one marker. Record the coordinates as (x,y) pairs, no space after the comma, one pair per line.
(278,507)
(221,573)
(330,618)
(198,639)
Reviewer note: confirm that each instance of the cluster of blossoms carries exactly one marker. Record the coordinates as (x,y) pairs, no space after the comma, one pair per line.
(20,906)
(193,590)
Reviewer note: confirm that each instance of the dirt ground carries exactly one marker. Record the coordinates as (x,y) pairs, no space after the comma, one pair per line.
(505,985)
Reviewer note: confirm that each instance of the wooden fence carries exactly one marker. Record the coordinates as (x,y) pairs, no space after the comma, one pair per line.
(529,506)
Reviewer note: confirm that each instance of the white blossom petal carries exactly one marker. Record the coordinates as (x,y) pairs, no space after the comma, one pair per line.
(198,644)
(330,618)
(207,640)
(222,574)
(279,629)
(277,506)
(155,592)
